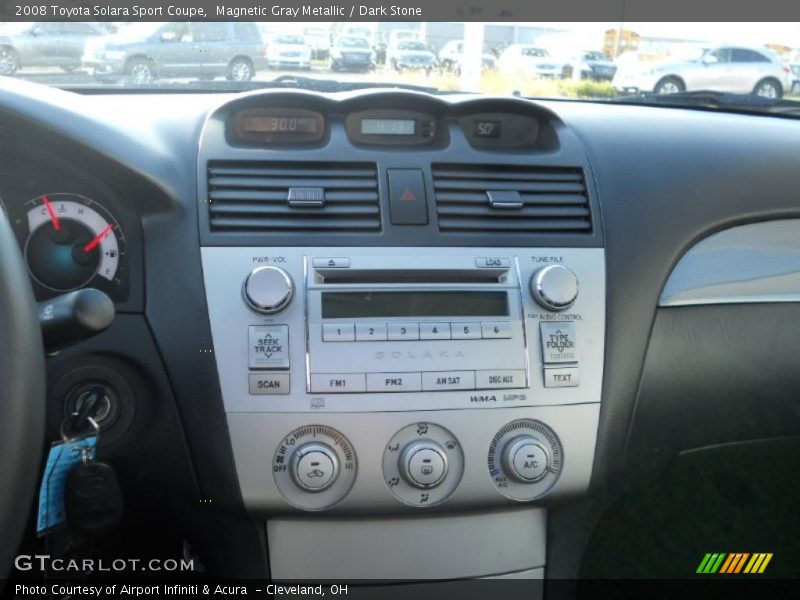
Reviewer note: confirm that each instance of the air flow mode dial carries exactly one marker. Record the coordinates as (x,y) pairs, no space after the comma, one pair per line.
(423,464)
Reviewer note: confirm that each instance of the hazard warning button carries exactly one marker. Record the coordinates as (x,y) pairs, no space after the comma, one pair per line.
(407,199)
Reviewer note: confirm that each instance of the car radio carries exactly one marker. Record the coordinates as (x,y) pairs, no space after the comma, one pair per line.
(414,324)
(405,378)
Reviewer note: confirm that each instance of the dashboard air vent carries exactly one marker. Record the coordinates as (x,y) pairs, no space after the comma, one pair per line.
(252,196)
(516,199)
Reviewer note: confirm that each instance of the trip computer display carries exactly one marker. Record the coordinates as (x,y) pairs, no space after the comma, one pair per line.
(278,126)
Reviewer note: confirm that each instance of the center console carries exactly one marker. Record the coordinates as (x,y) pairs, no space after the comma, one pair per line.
(388,399)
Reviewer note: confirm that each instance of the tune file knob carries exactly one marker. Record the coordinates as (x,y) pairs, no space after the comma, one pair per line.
(554,287)
(268,290)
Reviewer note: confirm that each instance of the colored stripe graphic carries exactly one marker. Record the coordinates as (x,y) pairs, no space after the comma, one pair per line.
(734,562)
(711,562)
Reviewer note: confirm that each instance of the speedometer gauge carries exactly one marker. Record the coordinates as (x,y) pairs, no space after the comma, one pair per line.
(72,241)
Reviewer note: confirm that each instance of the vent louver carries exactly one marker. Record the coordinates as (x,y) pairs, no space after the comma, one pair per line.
(292,197)
(515,199)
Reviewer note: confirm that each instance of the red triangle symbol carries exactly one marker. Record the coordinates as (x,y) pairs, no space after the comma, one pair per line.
(408,195)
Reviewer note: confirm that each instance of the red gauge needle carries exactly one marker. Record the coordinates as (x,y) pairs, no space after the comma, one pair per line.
(99,238)
(52,213)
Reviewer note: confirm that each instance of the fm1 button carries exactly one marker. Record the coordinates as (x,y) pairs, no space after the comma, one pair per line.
(315,467)
(525,459)
(423,464)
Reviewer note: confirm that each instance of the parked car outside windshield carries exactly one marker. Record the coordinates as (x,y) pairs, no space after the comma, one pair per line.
(143,52)
(735,69)
(25,45)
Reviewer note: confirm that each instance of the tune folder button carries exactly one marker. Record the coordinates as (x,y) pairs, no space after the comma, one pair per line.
(269,346)
(558,342)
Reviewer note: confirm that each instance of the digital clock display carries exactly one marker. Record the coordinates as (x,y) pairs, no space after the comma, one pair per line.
(279,124)
(388,127)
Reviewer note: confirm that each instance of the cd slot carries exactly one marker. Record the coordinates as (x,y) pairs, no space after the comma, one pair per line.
(357,276)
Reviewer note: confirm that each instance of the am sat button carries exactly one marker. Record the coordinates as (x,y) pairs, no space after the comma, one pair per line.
(448,380)
(265,384)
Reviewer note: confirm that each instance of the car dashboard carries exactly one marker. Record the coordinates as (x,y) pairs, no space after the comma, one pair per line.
(355,327)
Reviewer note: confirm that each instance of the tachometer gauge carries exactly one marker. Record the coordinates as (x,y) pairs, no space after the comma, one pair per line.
(72,242)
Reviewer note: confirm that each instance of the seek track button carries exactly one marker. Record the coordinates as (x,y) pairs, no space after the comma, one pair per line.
(269,346)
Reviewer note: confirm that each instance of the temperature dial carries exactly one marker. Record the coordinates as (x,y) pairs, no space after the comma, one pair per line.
(525,459)
(423,464)
(554,287)
(268,290)
(314,467)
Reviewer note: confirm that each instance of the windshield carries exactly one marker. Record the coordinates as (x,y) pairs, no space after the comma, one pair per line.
(617,61)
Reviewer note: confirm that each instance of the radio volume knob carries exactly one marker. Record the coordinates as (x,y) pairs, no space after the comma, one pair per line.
(268,289)
(554,287)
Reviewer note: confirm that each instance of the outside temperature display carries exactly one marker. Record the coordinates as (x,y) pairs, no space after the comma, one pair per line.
(487,129)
